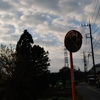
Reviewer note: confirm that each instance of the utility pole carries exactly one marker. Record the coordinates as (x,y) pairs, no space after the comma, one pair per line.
(89,25)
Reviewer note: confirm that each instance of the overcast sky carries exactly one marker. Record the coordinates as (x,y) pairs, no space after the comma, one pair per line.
(48,21)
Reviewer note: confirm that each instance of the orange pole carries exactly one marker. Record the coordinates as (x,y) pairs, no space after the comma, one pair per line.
(72,77)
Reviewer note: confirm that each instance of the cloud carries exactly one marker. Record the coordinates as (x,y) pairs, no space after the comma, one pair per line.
(70,6)
(5,6)
(34,19)
(48,21)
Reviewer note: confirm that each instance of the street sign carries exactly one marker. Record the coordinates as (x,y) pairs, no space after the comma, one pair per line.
(73,41)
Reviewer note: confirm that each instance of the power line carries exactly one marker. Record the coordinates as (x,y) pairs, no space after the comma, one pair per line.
(96,17)
(95,6)
(97,34)
(97,41)
(96,30)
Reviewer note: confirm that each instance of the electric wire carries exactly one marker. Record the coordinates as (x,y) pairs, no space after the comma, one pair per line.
(97,41)
(96,30)
(92,18)
(96,36)
(96,17)
(95,6)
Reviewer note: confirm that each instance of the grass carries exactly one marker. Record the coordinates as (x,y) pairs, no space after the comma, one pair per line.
(62,98)
(59,94)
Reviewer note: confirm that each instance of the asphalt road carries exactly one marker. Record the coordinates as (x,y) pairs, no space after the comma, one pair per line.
(88,92)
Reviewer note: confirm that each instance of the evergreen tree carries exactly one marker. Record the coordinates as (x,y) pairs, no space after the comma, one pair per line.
(24,44)
(29,57)
(23,54)
(40,60)
(30,73)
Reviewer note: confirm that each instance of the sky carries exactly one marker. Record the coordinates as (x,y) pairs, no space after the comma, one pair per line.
(48,21)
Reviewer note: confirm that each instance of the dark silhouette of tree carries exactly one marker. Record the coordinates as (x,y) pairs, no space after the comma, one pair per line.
(24,44)
(31,57)
(64,69)
(30,76)
(54,78)
(79,75)
(65,75)
(40,60)
(7,65)
(23,55)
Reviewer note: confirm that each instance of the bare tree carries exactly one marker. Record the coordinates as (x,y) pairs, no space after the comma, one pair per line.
(7,61)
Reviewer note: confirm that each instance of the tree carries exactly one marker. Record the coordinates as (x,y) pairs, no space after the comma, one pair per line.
(65,75)
(40,60)
(64,69)
(7,61)
(33,58)
(24,44)
(31,69)
(7,65)
(23,54)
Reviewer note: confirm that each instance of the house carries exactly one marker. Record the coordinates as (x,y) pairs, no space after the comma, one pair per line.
(91,77)
(97,67)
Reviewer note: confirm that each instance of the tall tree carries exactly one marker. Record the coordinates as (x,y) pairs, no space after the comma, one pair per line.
(24,44)
(40,60)
(31,67)
(23,53)
(31,57)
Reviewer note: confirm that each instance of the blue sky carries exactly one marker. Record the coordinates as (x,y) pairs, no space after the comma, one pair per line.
(48,21)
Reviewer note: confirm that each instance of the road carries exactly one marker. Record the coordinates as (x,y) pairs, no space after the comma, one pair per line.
(88,92)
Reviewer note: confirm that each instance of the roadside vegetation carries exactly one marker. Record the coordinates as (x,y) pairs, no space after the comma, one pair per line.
(25,74)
